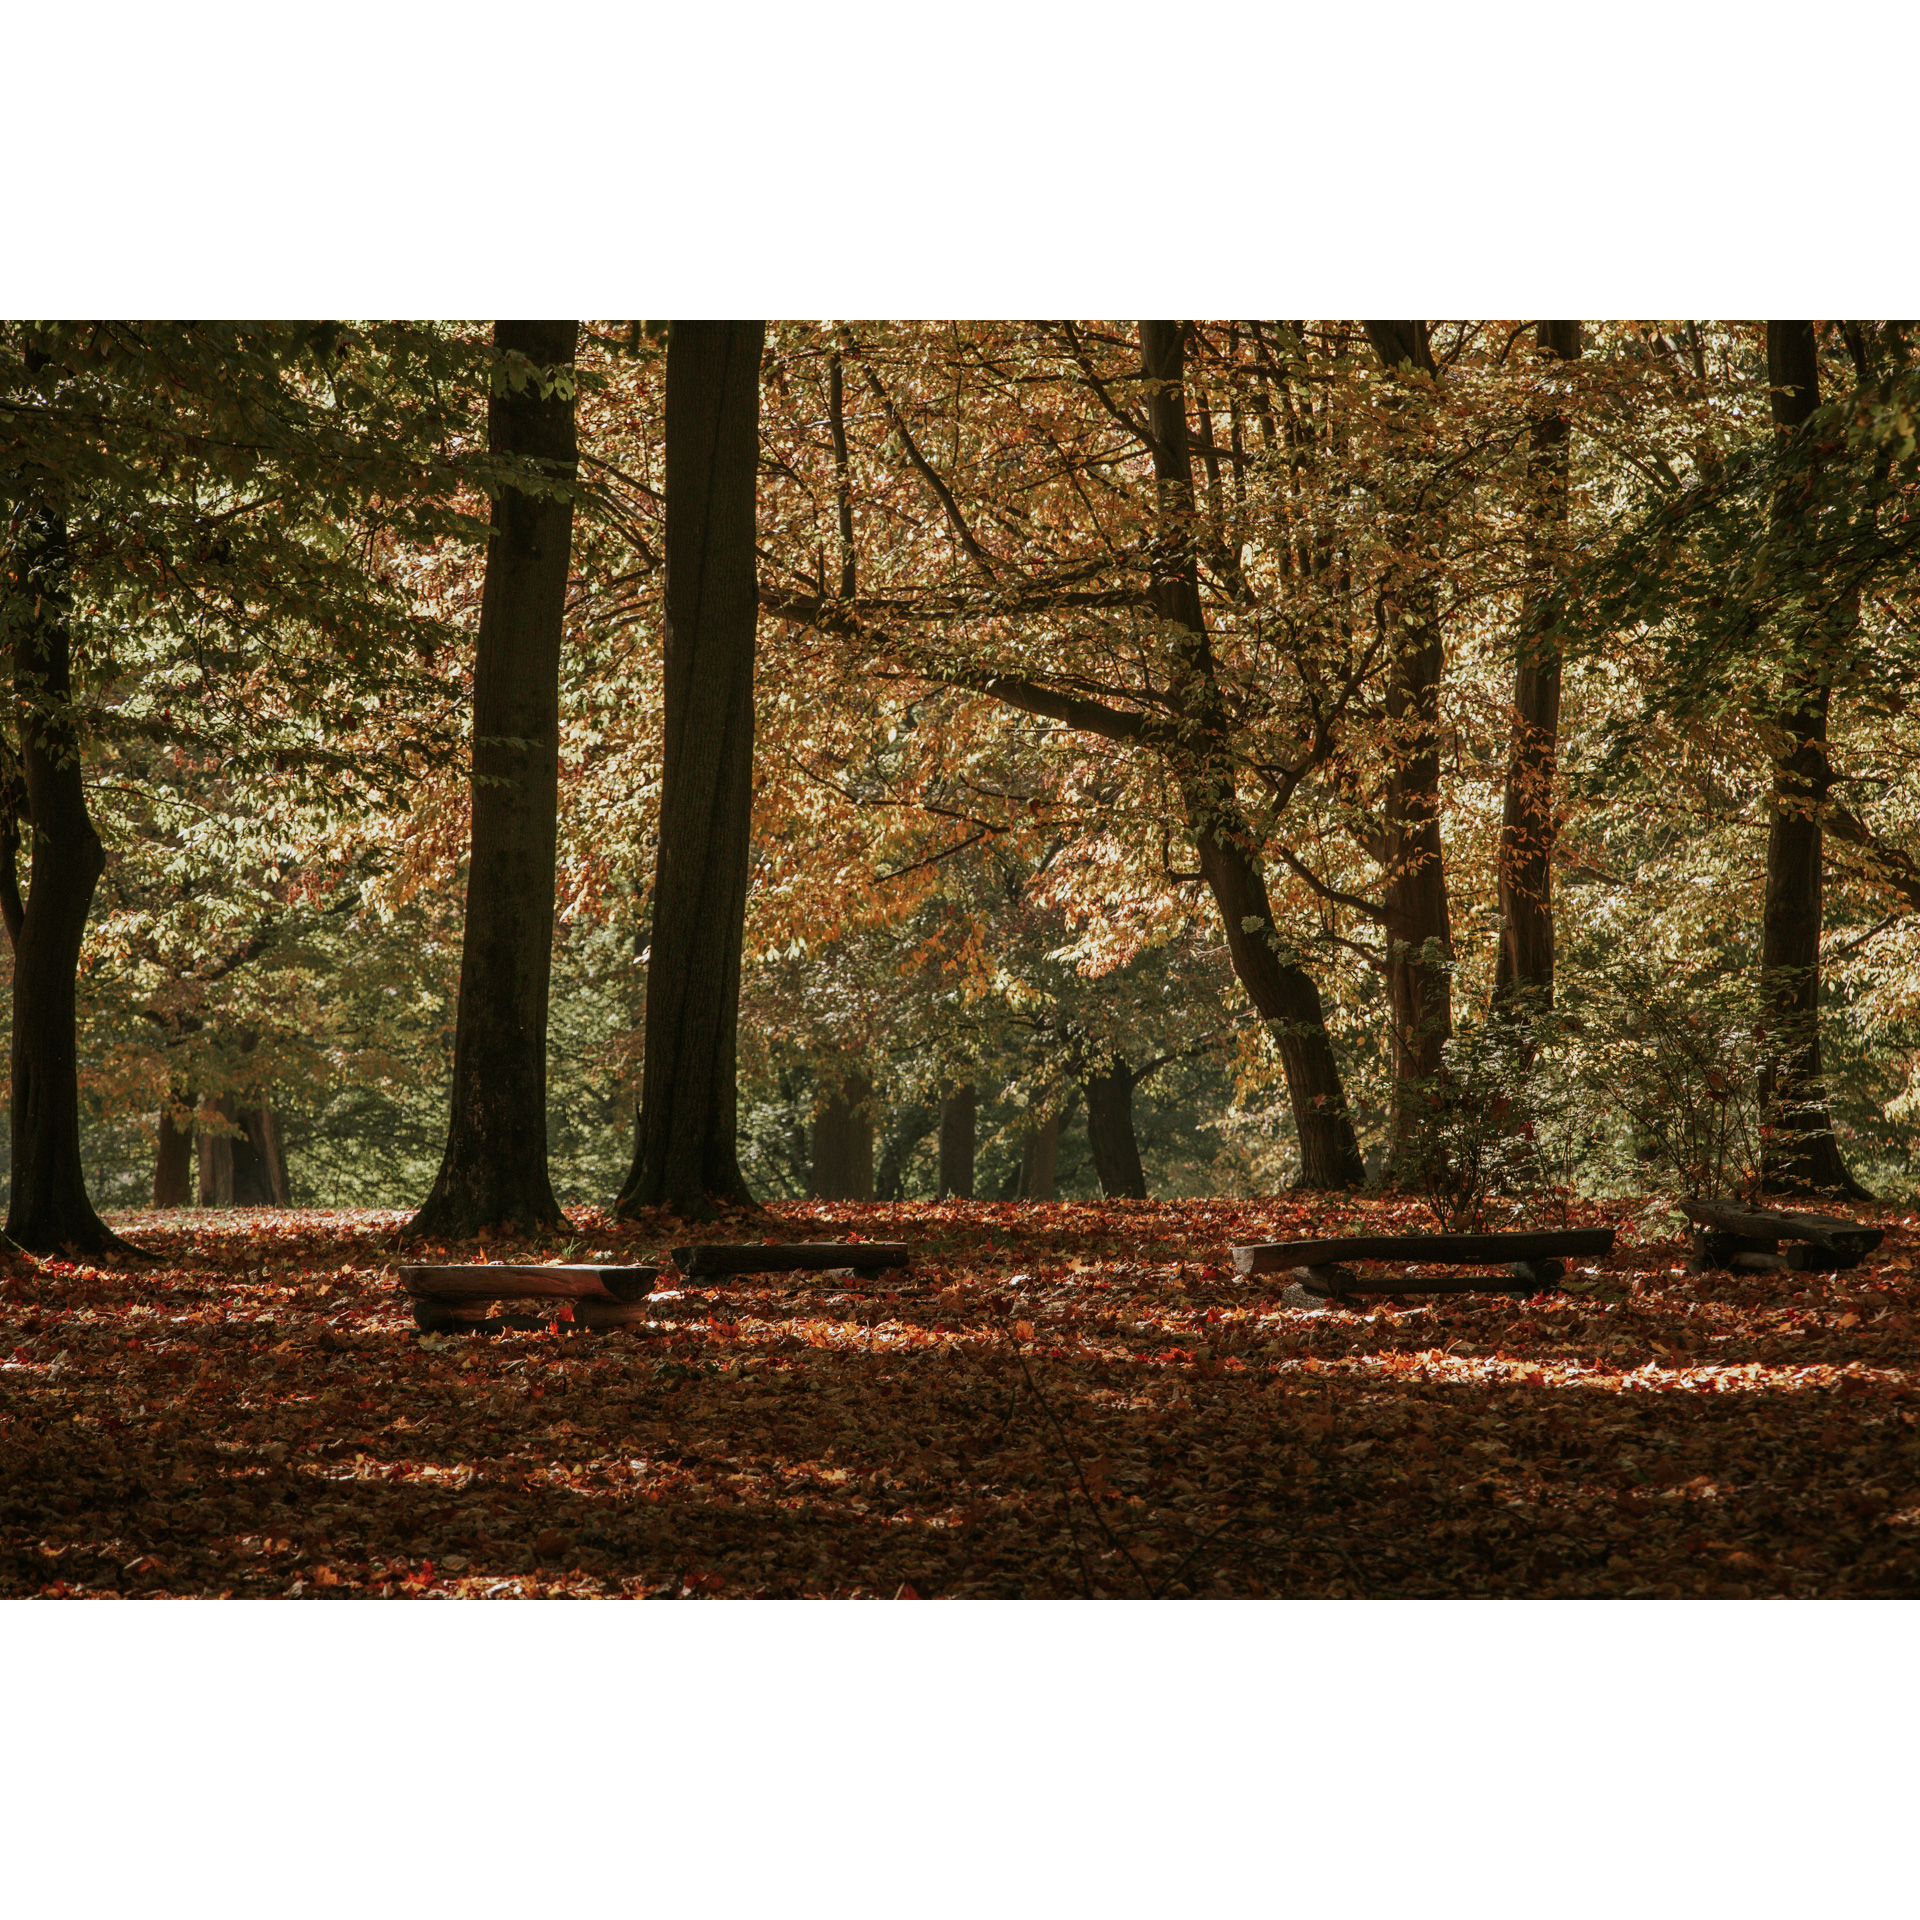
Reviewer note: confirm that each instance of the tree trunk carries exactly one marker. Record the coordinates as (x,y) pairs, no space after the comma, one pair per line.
(1524,963)
(843,1139)
(1802,1155)
(684,1153)
(1416,921)
(959,1130)
(216,1159)
(1116,1149)
(259,1162)
(50,1211)
(494,1173)
(1281,991)
(1039,1155)
(173,1154)
(263,1129)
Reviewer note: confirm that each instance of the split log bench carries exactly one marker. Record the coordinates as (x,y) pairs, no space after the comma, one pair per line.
(455,1299)
(1320,1273)
(812,1256)
(1728,1234)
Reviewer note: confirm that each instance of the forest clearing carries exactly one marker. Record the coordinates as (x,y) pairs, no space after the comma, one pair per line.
(1051,1401)
(1073,797)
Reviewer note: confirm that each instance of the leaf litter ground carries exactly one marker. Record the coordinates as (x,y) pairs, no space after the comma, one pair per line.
(1055,1400)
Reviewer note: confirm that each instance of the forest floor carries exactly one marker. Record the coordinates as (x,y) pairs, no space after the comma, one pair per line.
(1055,1400)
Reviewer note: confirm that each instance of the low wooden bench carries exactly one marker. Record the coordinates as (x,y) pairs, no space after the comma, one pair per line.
(1321,1273)
(794,1256)
(455,1299)
(1727,1233)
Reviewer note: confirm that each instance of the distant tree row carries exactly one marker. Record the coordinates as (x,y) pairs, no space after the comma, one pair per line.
(829,735)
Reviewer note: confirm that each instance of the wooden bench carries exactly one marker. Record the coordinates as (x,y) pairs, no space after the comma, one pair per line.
(813,1256)
(1321,1272)
(1727,1233)
(455,1299)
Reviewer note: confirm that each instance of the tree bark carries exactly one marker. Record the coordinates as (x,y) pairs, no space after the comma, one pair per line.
(685,1154)
(1039,1155)
(1416,919)
(1801,1154)
(259,1162)
(1524,964)
(1281,991)
(959,1126)
(494,1173)
(49,1210)
(1110,1134)
(216,1159)
(843,1139)
(173,1153)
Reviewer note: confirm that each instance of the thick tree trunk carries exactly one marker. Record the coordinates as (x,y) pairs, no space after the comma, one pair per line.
(1416,922)
(50,1211)
(959,1126)
(259,1162)
(843,1139)
(1116,1148)
(1524,963)
(1039,1155)
(494,1173)
(216,1158)
(685,1153)
(1281,991)
(173,1152)
(1802,1155)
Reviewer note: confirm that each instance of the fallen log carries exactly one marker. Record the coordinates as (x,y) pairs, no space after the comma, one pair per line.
(1442,1249)
(813,1256)
(508,1281)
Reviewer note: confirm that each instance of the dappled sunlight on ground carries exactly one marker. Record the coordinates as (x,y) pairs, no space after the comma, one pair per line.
(1054,1400)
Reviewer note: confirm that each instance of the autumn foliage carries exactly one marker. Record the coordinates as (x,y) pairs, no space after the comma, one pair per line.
(1053,1400)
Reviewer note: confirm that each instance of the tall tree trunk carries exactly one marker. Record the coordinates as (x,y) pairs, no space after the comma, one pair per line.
(843,1138)
(1802,1154)
(494,1173)
(50,1211)
(1116,1148)
(1039,1155)
(216,1158)
(959,1128)
(1281,991)
(173,1153)
(263,1128)
(259,1162)
(1416,921)
(685,1154)
(1524,963)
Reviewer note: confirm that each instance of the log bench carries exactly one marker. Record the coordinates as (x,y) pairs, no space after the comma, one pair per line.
(455,1299)
(1321,1270)
(794,1256)
(1727,1233)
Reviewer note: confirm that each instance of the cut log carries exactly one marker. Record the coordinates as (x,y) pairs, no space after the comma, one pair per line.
(1443,1249)
(1328,1282)
(437,1316)
(1536,1276)
(1769,1227)
(813,1256)
(506,1281)
(605,1314)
